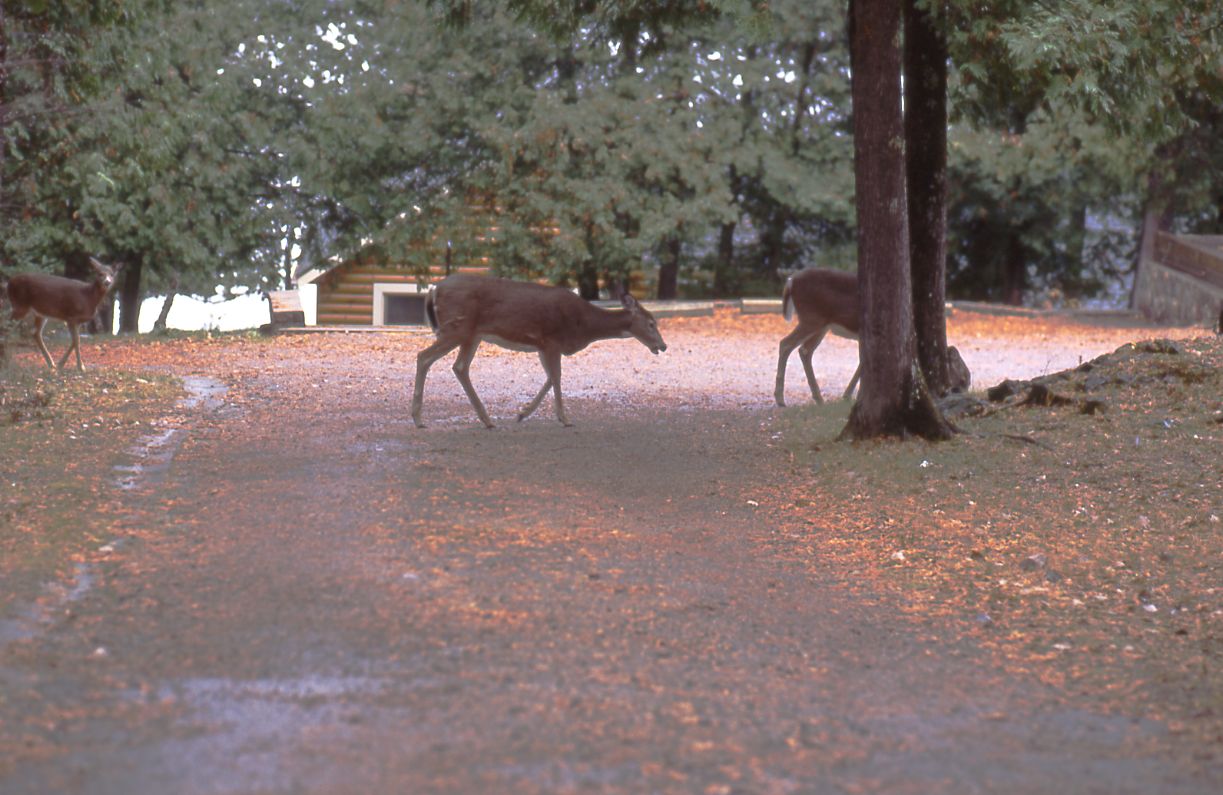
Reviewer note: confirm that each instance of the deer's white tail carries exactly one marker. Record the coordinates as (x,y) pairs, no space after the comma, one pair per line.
(431,307)
(787,300)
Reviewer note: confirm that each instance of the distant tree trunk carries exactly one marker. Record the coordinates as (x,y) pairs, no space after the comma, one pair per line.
(772,242)
(925,119)
(130,295)
(588,281)
(3,99)
(1015,270)
(588,272)
(104,321)
(726,260)
(1156,217)
(288,265)
(160,323)
(668,272)
(893,400)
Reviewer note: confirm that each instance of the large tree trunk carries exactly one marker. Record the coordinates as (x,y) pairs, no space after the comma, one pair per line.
(925,119)
(130,295)
(893,400)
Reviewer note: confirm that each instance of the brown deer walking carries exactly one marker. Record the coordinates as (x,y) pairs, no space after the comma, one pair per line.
(56,298)
(824,300)
(465,310)
(827,300)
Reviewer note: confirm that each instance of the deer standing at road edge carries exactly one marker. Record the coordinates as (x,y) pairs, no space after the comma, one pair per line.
(56,298)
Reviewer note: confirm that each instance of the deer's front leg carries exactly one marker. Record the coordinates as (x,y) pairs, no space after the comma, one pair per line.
(529,408)
(461,365)
(551,361)
(75,330)
(39,322)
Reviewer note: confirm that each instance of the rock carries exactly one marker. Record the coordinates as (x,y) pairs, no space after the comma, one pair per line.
(1092,407)
(1158,346)
(1006,389)
(1033,562)
(1041,395)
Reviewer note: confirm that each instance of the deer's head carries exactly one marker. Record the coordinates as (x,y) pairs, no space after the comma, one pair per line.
(643,326)
(104,274)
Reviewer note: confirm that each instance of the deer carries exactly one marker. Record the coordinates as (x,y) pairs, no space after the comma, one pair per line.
(466,309)
(56,298)
(827,300)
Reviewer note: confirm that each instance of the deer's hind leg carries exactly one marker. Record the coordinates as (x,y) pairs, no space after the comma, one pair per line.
(800,336)
(805,352)
(853,382)
(425,360)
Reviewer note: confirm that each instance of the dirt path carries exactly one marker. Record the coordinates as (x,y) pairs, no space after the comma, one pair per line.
(310,595)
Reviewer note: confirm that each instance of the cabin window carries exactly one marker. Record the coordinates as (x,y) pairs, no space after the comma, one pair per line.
(403,310)
(398,304)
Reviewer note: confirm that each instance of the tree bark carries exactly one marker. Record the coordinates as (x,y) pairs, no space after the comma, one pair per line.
(1015,270)
(588,272)
(130,295)
(668,271)
(160,323)
(1156,217)
(893,400)
(726,260)
(925,120)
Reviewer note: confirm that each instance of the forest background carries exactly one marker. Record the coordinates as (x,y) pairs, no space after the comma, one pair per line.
(234,144)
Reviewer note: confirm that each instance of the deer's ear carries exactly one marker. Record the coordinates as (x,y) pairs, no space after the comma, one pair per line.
(628,301)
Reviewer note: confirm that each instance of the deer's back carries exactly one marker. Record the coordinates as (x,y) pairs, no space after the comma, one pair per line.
(51,296)
(520,312)
(824,291)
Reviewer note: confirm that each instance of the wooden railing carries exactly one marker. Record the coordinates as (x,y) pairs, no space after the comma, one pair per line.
(1199,256)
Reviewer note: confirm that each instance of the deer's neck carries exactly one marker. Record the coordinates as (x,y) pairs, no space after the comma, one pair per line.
(597,324)
(605,324)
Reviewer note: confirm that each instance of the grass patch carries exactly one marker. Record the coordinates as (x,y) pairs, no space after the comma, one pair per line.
(1096,549)
(60,437)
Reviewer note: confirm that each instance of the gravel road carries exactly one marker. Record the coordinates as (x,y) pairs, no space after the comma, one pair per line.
(306,594)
